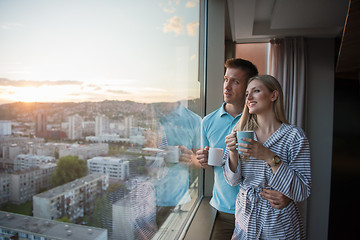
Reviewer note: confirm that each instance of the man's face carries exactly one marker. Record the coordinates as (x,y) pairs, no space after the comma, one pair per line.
(234,86)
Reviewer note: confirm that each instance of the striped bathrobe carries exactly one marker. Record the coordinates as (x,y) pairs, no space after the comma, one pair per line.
(255,217)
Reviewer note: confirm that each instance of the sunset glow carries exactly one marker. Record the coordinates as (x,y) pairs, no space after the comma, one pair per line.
(77,56)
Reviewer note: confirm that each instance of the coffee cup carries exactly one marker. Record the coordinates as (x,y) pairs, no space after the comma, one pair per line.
(244,134)
(215,156)
(172,154)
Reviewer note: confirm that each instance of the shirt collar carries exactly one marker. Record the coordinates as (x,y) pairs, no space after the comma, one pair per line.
(222,111)
(179,111)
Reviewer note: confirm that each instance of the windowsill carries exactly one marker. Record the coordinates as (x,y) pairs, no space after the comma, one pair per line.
(201,226)
(179,220)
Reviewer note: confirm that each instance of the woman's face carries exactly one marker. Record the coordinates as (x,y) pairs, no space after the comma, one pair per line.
(258,98)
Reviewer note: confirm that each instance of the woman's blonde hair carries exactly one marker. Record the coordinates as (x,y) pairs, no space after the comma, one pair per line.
(249,121)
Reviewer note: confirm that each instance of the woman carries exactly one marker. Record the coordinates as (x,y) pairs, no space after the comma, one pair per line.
(277,159)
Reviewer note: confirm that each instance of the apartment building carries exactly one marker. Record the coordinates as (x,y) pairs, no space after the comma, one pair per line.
(102,125)
(27,161)
(75,127)
(25,184)
(41,124)
(5,127)
(11,146)
(10,152)
(134,216)
(115,138)
(4,188)
(114,167)
(15,226)
(74,199)
(85,151)
(49,148)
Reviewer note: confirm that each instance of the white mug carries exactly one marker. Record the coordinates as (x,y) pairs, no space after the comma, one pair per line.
(215,156)
(172,154)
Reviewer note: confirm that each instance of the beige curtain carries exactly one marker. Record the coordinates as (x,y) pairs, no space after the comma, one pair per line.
(287,60)
(287,63)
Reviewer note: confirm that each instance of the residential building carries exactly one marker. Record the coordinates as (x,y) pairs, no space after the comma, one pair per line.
(5,127)
(114,167)
(102,125)
(85,151)
(114,138)
(16,226)
(88,128)
(75,127)
(117,127)
(41,125)
(74,199)
(25,144)
(134,216)
(26,161)
(26,183)
(128,122)
(4,188)
(49,148)
(11,151)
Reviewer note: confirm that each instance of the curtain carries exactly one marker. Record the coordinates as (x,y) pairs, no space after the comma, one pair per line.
(287,63)
(287,60)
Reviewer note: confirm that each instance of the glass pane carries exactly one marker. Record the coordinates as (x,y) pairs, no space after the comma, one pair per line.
(99,113)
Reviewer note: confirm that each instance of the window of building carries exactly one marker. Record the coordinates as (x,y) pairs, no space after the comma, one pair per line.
(93,74)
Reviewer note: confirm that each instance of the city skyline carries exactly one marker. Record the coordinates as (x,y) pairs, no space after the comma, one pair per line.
(83,51)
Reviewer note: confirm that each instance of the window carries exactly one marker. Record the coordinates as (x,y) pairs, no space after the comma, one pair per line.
(113,75)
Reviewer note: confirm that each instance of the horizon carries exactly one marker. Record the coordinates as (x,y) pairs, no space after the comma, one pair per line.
(78,56)
(105,100)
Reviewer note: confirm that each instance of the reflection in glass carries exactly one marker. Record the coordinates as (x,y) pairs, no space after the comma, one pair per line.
(111,90)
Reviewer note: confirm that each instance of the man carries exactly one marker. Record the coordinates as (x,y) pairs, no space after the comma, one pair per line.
(215,127)
(180,130)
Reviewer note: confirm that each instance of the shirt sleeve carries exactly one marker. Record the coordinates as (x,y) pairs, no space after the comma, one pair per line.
(293,179)
(197,137)
(232,178)
(204,139)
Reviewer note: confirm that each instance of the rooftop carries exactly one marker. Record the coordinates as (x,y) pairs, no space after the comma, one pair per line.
(68,186)
(49,228)
(110,160)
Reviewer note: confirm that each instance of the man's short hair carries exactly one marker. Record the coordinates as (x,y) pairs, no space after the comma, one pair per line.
(242,64)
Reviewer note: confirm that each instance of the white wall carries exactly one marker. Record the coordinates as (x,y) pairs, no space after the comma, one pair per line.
(320,132)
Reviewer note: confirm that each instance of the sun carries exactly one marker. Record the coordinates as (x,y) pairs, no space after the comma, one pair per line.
(35,94)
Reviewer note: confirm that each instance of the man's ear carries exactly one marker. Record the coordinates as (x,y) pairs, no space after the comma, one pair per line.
(274,95)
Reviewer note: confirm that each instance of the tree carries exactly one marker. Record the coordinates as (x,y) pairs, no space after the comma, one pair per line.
(64,219)
(68,169)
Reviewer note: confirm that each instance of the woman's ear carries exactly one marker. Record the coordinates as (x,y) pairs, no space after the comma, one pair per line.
(274,95)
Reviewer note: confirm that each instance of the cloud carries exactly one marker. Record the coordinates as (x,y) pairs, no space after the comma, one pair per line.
(94,86)
(8,26)
(27,83)
(174,24)
(169,6)
(169,10)
(117,91)
(192,27)
(190,4)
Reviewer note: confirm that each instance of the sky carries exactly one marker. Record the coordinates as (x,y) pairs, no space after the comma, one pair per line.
(92,50)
